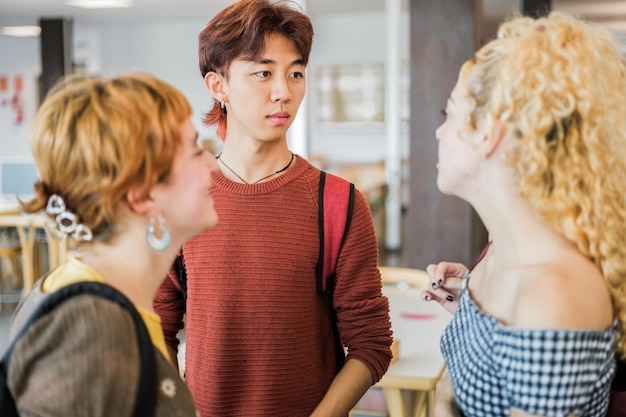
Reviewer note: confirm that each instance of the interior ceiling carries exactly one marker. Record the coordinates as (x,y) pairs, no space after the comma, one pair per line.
(611,13)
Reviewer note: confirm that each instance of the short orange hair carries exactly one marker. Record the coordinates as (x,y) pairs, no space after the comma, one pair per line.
(93,139)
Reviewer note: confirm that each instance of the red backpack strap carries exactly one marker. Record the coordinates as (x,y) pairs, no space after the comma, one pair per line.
(480,256)
(336,198)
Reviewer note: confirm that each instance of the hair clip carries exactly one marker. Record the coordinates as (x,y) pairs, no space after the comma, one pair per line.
(65,222)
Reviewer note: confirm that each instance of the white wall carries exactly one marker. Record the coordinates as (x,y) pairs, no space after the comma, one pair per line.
(166,49)
(169,50)
(20,56)
(350,39)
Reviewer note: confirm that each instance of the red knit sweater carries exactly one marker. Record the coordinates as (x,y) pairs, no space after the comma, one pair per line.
(258,334)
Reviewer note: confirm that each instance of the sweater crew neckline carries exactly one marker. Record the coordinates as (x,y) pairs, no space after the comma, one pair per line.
(294,172)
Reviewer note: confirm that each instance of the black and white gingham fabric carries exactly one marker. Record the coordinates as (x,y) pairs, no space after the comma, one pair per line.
(546,372)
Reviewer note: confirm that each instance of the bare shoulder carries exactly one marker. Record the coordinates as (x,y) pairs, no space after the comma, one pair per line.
(566,296)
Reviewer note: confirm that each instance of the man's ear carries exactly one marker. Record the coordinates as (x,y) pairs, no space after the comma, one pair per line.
(140,202)
(214,82)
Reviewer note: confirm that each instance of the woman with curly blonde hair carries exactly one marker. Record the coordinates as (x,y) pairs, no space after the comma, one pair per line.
(535,140)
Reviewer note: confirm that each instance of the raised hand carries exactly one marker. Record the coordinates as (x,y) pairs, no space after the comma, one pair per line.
(444,285)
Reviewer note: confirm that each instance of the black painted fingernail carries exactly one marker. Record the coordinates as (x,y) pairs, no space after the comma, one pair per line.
(427,297)
(449,298)
(433,284)
(440,281)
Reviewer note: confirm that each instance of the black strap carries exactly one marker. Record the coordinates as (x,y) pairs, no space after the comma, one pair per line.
(181,274)
(146,388)
(7,405)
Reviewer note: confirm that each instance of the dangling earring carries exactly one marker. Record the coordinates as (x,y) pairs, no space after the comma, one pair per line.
(155,243)
(221,123)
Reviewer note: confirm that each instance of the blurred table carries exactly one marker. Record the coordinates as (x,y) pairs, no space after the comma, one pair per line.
(409,384)
(8,208)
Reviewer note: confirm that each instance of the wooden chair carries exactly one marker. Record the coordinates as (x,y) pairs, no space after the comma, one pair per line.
(26,227)
(419,402)
(409,277)
(57,247)
(10,253)
(416,403)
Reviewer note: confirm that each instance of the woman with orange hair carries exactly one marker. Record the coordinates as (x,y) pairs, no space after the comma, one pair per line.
(123,177)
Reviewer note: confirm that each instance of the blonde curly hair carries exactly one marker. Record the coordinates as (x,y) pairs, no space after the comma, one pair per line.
(558,86)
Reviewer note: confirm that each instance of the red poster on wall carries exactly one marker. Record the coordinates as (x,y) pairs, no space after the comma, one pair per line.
(11,90)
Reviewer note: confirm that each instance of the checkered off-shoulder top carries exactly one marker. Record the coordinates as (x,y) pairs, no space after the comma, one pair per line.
(538,371)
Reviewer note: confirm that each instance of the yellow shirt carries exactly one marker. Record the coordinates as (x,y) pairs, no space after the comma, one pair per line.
(75,270)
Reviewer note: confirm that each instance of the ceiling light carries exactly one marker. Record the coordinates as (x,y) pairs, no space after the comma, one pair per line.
(99,4)
(21,31)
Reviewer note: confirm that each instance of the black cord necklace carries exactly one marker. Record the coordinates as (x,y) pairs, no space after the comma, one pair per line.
(257,181)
